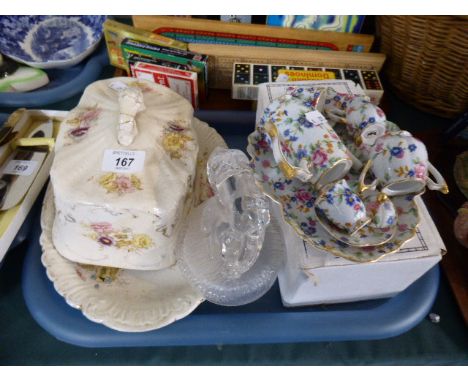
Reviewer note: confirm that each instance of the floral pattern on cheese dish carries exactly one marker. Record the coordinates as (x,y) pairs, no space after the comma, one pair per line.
(202,188)
(120,183)
(108,236)
(175,141)
(82,122)
(101,275)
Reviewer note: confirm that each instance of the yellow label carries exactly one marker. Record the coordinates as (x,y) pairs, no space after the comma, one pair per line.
(307,75)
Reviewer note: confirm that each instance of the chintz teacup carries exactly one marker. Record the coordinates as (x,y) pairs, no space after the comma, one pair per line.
(335,106)
(340,206)
(364,120)
(303,143)
(401,166)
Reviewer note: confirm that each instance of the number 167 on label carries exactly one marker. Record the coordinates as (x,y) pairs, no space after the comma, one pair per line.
(123,161)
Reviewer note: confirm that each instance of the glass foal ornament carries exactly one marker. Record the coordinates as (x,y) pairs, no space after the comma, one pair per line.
(235,219)
(232,247)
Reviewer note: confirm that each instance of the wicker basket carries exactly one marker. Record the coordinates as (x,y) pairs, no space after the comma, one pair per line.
(427,60)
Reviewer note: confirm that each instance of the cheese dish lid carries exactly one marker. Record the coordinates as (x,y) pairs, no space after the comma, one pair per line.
(128,144)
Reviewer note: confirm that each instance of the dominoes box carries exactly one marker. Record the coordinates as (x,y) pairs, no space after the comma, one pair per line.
(247,77)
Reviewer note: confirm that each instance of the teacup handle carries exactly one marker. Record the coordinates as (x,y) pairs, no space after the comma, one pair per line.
(286,168)
(439,184)
(363,187)
(335,118)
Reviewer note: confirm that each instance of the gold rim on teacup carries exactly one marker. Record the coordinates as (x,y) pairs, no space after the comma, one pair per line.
(388,189)
(342,235)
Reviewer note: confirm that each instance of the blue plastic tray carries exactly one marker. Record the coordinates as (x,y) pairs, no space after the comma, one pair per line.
(264,321)
(64,83)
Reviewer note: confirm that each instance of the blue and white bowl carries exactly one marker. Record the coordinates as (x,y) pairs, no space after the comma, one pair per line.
(50,41)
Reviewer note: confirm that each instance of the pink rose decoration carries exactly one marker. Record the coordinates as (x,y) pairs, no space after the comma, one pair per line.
(319,157)
(373,206)
(420,171)
(357,207)
(402,227)
(263,144)
(380,112)
(102,227)
(124,184)
(285,148)
(90,115)
(266,163)
(379,147)
(303,196)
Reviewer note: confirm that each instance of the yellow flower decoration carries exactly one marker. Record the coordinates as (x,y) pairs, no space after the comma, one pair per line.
(174,143)
(142,241)
(401,171)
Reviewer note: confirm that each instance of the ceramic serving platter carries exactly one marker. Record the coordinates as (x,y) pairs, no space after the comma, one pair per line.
(121,299)
(297,202)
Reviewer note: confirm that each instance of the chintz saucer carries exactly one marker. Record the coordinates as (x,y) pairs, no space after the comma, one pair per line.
(366,236)
(297,200)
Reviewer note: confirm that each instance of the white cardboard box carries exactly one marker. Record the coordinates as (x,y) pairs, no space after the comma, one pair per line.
(14,218)
(313,276)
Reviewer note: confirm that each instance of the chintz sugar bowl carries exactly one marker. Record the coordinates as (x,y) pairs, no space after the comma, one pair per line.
(401,166)
(364,120)
(380,209)
(303,143)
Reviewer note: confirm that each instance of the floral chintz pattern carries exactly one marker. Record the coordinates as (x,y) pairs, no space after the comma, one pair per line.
(120,183)
(303,141)
(336,103)
(297,201)
(402,157)
(108,236)
(342,207)
(361,113)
